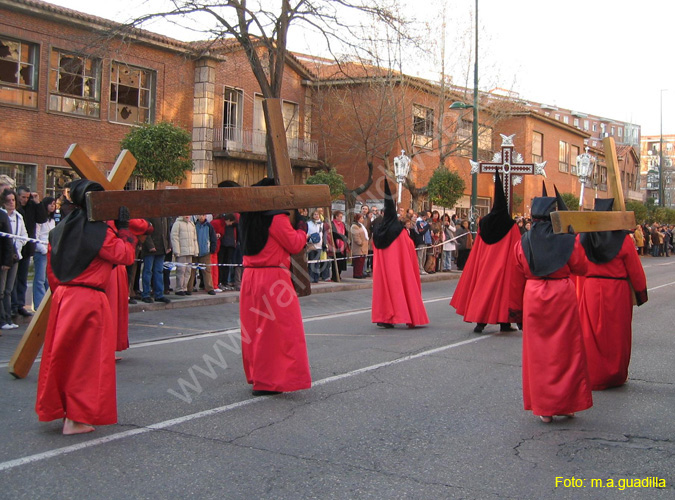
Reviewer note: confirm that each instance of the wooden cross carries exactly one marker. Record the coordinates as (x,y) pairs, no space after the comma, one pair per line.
(176,202)
(510,165)
(34,336)
(586,222)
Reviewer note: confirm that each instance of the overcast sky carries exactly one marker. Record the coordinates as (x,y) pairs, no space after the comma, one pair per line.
(605,57)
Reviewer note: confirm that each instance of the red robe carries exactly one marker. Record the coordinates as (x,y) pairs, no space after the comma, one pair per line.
(77,371)
(397,289)
(273,344)
(606,312)
(555,374)
(482,294)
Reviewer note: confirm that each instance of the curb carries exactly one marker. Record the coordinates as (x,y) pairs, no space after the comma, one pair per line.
(203,299)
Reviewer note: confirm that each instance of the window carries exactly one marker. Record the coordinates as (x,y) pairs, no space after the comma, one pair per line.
(423,126)
(23,174)
(131,94)
(537,147)
(291,121)
(566,119)
(612,131)
(18,72)
(576,122)
(74,84)
(595,127)
(574,152)
(586,124)
(57,178)
(233,104)
(564,157)
(464,140)
(620,131)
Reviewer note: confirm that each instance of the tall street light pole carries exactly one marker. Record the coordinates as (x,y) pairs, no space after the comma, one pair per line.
(661,200)
(474,132)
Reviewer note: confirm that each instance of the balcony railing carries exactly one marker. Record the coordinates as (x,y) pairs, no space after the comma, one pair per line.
(253,141)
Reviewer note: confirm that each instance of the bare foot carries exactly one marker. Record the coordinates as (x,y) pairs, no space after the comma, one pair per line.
(71,427)
(545,419)
(117,358)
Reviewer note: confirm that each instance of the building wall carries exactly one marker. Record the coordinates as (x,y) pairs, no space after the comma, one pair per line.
(41,137)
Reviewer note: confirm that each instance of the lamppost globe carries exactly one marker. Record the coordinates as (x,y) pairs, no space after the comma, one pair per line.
(585,167)
(401,170)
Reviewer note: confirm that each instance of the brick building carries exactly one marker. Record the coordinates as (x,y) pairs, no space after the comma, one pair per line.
(68,77)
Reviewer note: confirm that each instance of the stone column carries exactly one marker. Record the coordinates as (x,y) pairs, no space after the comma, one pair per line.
(203,122)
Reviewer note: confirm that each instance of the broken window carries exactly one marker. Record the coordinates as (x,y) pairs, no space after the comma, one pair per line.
(74,84)
(18,72)
(131,94)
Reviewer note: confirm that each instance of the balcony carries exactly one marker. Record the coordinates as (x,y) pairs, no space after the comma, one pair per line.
(237,141)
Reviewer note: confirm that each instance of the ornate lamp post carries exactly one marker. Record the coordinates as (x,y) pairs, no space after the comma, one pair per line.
(585,167)
(401,170)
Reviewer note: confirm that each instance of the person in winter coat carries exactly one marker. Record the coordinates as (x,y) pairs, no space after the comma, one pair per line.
(206,245)
(184,244)
(360,239)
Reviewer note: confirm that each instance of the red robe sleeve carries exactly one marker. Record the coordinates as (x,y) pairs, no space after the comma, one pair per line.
(636,274)
(291,240)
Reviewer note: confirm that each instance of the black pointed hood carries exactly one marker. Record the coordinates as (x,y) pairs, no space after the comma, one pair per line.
(543,189)
(559,200)
(603,246)
(386,231)
(545,251)
(254,226)
(497,224)
(75,241)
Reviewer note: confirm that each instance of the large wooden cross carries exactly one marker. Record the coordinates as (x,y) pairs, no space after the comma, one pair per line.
(586,222)
(176,202)
(34,336)
(510,165)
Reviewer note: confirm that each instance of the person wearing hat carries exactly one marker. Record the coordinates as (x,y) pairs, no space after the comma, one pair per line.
(397,288)
(543,299)
(274,349)
(482,294)
(76,382)
(606,302)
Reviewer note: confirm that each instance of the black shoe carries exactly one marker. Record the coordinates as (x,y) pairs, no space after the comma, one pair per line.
(520,326)
(22,312)
(211,292)
(132,301)
(163,299)
(147,300)
(385,325)
(264,393)
(479,327)
(506,327)
(180,293)
(188,293)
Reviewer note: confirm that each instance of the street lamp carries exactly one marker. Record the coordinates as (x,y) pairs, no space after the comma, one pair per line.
(474,131)
(585,167)
(661,200)
(401,170)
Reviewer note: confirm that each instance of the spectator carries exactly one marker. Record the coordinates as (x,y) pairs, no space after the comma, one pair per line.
(422,228)
(449,247)
(337,245)
(33,213)
(153,252)
(359,237)
(18,228)
(40,285)
(464,242)
(206,245)
(314,245)
(7,253)
(184,244)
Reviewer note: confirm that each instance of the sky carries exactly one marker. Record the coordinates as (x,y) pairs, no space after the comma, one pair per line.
(604,57)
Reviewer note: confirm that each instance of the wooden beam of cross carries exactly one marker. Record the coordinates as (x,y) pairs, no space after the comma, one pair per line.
(34,336)
(510,165)
(164,203)
(586,222)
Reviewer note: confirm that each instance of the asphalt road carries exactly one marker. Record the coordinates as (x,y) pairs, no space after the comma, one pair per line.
(433,412)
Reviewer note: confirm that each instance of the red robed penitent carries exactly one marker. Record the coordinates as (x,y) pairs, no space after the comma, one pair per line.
(555,375)
(397,289)
(274,350)
(606,313)
(77,371)
(482,294)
